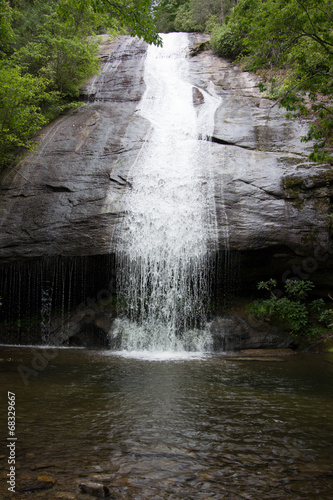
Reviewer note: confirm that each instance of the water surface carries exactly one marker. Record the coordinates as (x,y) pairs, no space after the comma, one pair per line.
(179,429)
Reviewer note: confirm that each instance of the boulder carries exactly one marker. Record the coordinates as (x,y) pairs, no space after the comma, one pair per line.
(95,489)
(232,333)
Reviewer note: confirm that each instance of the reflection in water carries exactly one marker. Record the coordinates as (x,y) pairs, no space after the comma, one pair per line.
(187,429)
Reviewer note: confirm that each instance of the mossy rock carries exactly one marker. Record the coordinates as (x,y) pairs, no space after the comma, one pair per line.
(198,47)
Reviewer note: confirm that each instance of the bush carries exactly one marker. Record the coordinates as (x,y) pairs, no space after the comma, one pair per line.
(224,43)
(299,316)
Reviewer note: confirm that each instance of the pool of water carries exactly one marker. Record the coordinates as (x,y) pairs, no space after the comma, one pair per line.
(215,427)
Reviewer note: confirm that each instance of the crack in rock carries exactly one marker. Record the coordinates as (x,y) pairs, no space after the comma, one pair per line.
(270,193)
(121,181)
(58,189)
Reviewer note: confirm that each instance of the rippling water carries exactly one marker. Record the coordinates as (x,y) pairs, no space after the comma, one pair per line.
(180,429)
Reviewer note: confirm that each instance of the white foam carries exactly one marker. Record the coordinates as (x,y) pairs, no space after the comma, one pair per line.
(158,355)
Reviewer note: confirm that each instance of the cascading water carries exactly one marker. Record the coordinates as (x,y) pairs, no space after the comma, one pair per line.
(169,227)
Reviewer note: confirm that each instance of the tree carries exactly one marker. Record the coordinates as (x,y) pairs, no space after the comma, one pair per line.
(165,14)
(20,111)
(58,56)
(136,14)
(6,31)
(190,15)
(46,54)
(294,37)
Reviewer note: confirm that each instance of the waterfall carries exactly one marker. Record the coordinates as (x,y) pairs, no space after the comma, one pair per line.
(169,226)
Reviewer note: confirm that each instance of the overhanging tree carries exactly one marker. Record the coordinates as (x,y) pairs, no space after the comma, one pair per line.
(46,54)
(137,15)
(294,36)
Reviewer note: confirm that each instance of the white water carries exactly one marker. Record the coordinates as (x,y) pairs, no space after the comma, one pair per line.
(169,226)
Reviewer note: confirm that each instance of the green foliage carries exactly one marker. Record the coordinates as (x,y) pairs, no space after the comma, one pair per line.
(293,38)
(165,13)
(183,19)
(298,289)
(301,317)
(6,32)
(293,313)
(137,15)
(191,15)
(324,314)
(64,62)
(224,43)
(47,51)
(267,285)
(212,22)
(20,110)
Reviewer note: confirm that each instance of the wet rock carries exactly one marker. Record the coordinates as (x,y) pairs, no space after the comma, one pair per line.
(90,337)
(60,200)
(197,97)
(199,47)
(42,466)
(231,333)
(96,489)
(46,479)
(267,352)
(322,345)
(86,327)
(67,198)
(266,189)
(27,485)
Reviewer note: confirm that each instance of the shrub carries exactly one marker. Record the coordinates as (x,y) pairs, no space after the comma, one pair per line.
(301,317)
(224,43)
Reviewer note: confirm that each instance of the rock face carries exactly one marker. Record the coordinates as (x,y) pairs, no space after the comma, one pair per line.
(268,190)
(65,200)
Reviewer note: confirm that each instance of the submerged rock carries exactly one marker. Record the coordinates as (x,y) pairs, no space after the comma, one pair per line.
(96,489)
(29,485)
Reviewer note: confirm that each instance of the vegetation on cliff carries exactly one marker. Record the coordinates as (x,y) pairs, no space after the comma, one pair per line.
(47,51)
(289,42)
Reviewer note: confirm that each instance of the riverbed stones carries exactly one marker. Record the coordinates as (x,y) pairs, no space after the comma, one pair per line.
(29,485)
(95,489)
